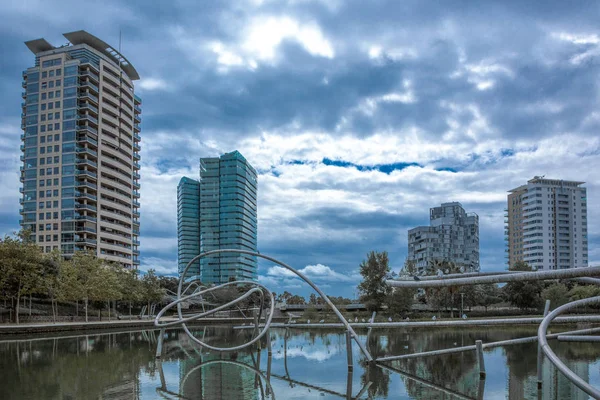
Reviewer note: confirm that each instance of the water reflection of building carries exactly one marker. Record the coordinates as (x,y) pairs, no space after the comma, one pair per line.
(555,384)
(218,380)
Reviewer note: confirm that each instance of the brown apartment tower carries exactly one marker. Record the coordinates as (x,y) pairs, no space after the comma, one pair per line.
(80,149)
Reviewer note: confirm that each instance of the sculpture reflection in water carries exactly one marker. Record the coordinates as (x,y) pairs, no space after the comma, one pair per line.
(236,375)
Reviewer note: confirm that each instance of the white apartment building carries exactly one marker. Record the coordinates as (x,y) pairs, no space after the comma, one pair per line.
(81,143)
(546,224)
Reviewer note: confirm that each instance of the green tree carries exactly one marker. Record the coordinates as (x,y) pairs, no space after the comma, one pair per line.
(373,288)
(21,262)
(51,278)
(580,292)
(131,287)
(523,294)
(81,279)
(400,300)
(284,297)
(557,293)
(488,294)
(443,297)
(152,292)
(108,287)
(296,299)
(169,283)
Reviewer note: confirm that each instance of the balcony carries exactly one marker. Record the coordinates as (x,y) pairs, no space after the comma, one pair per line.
(89,74)
(136,185)
(85,218)
(136,128)
(86,207)
(87,96)
(137,99)
(137,137)
(87,139)
(91,242)
(86,196)
(136,156)
(136,175)
(135,242)
(86,174)
(137,118)
(88,106)
(137,109)
(87,128)
(90,85)
(85,229)
(85,150)
(88,185)
(89,118)
(136,214)
(82,161)
(23,94)
(136,194)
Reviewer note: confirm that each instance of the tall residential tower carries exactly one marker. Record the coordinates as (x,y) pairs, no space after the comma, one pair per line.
(546,224)
(226,219)
(81,143)
(453,236)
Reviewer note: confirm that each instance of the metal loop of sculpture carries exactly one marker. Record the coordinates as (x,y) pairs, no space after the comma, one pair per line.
(258,288)
(182,321)
(543,341)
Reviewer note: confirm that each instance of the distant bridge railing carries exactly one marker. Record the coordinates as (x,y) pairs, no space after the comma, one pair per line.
(320,307)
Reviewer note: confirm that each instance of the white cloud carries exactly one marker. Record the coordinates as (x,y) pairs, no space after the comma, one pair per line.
(318,272)
(590,43)
(148,84)
(577,38)
(264,34)
(160,265)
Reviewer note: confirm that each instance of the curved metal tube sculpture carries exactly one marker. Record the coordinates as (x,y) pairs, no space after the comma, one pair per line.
(499,277)
(542,331)
(181,321)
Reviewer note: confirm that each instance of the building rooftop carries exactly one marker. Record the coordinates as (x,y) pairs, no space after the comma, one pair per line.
(547,181)
(82,37)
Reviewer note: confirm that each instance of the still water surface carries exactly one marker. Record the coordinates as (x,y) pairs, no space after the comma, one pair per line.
(304,364)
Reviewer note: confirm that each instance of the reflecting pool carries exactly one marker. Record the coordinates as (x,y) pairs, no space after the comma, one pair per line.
(304,364)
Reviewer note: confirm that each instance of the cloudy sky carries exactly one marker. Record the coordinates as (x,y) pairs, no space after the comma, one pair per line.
(358,118)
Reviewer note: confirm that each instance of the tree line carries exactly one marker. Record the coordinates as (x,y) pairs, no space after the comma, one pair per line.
(375,293)
(25,271)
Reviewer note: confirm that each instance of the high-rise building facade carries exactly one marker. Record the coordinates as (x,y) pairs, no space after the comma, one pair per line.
(453,236)
(227,212)
(546,224)
(188,225)
(81,143)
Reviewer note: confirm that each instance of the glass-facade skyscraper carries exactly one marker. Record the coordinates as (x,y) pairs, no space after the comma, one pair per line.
(81,143)
(227,218)
(188,225)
